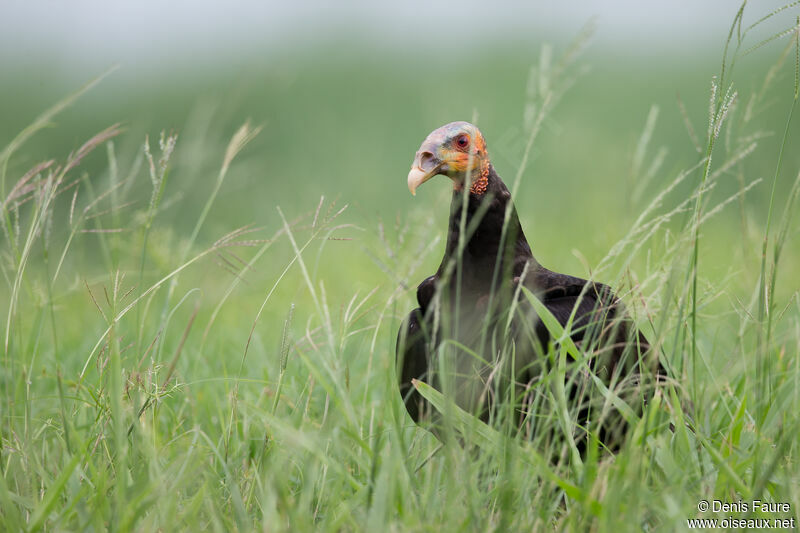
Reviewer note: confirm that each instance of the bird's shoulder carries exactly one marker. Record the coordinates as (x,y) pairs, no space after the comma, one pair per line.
(426,291)
(554,285)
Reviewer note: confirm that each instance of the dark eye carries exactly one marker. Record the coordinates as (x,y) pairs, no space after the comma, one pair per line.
(462,141)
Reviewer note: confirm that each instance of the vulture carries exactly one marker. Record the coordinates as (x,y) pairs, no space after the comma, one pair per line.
(476,335)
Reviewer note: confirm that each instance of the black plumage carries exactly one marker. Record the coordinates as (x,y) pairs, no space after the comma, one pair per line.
(474,301)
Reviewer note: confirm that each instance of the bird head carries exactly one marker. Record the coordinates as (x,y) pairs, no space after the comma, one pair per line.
(456,150)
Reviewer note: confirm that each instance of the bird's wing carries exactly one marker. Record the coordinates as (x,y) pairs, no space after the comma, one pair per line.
(600,324)
(412,359)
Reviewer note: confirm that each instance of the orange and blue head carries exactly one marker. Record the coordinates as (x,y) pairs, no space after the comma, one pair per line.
(456,150)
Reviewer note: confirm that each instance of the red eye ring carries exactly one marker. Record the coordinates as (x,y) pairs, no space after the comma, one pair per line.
(462,141)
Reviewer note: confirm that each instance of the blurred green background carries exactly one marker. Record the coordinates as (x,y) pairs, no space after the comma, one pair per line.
(345,97)
(344,108)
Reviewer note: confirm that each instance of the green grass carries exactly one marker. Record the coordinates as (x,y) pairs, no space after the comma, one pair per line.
(200,327)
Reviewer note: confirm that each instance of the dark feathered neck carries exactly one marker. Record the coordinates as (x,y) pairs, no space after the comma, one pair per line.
(489,201)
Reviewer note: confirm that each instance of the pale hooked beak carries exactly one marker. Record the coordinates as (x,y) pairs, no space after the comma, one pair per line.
(425,166)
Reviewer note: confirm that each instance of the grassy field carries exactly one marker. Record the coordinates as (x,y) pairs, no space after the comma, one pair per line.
(200,324)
